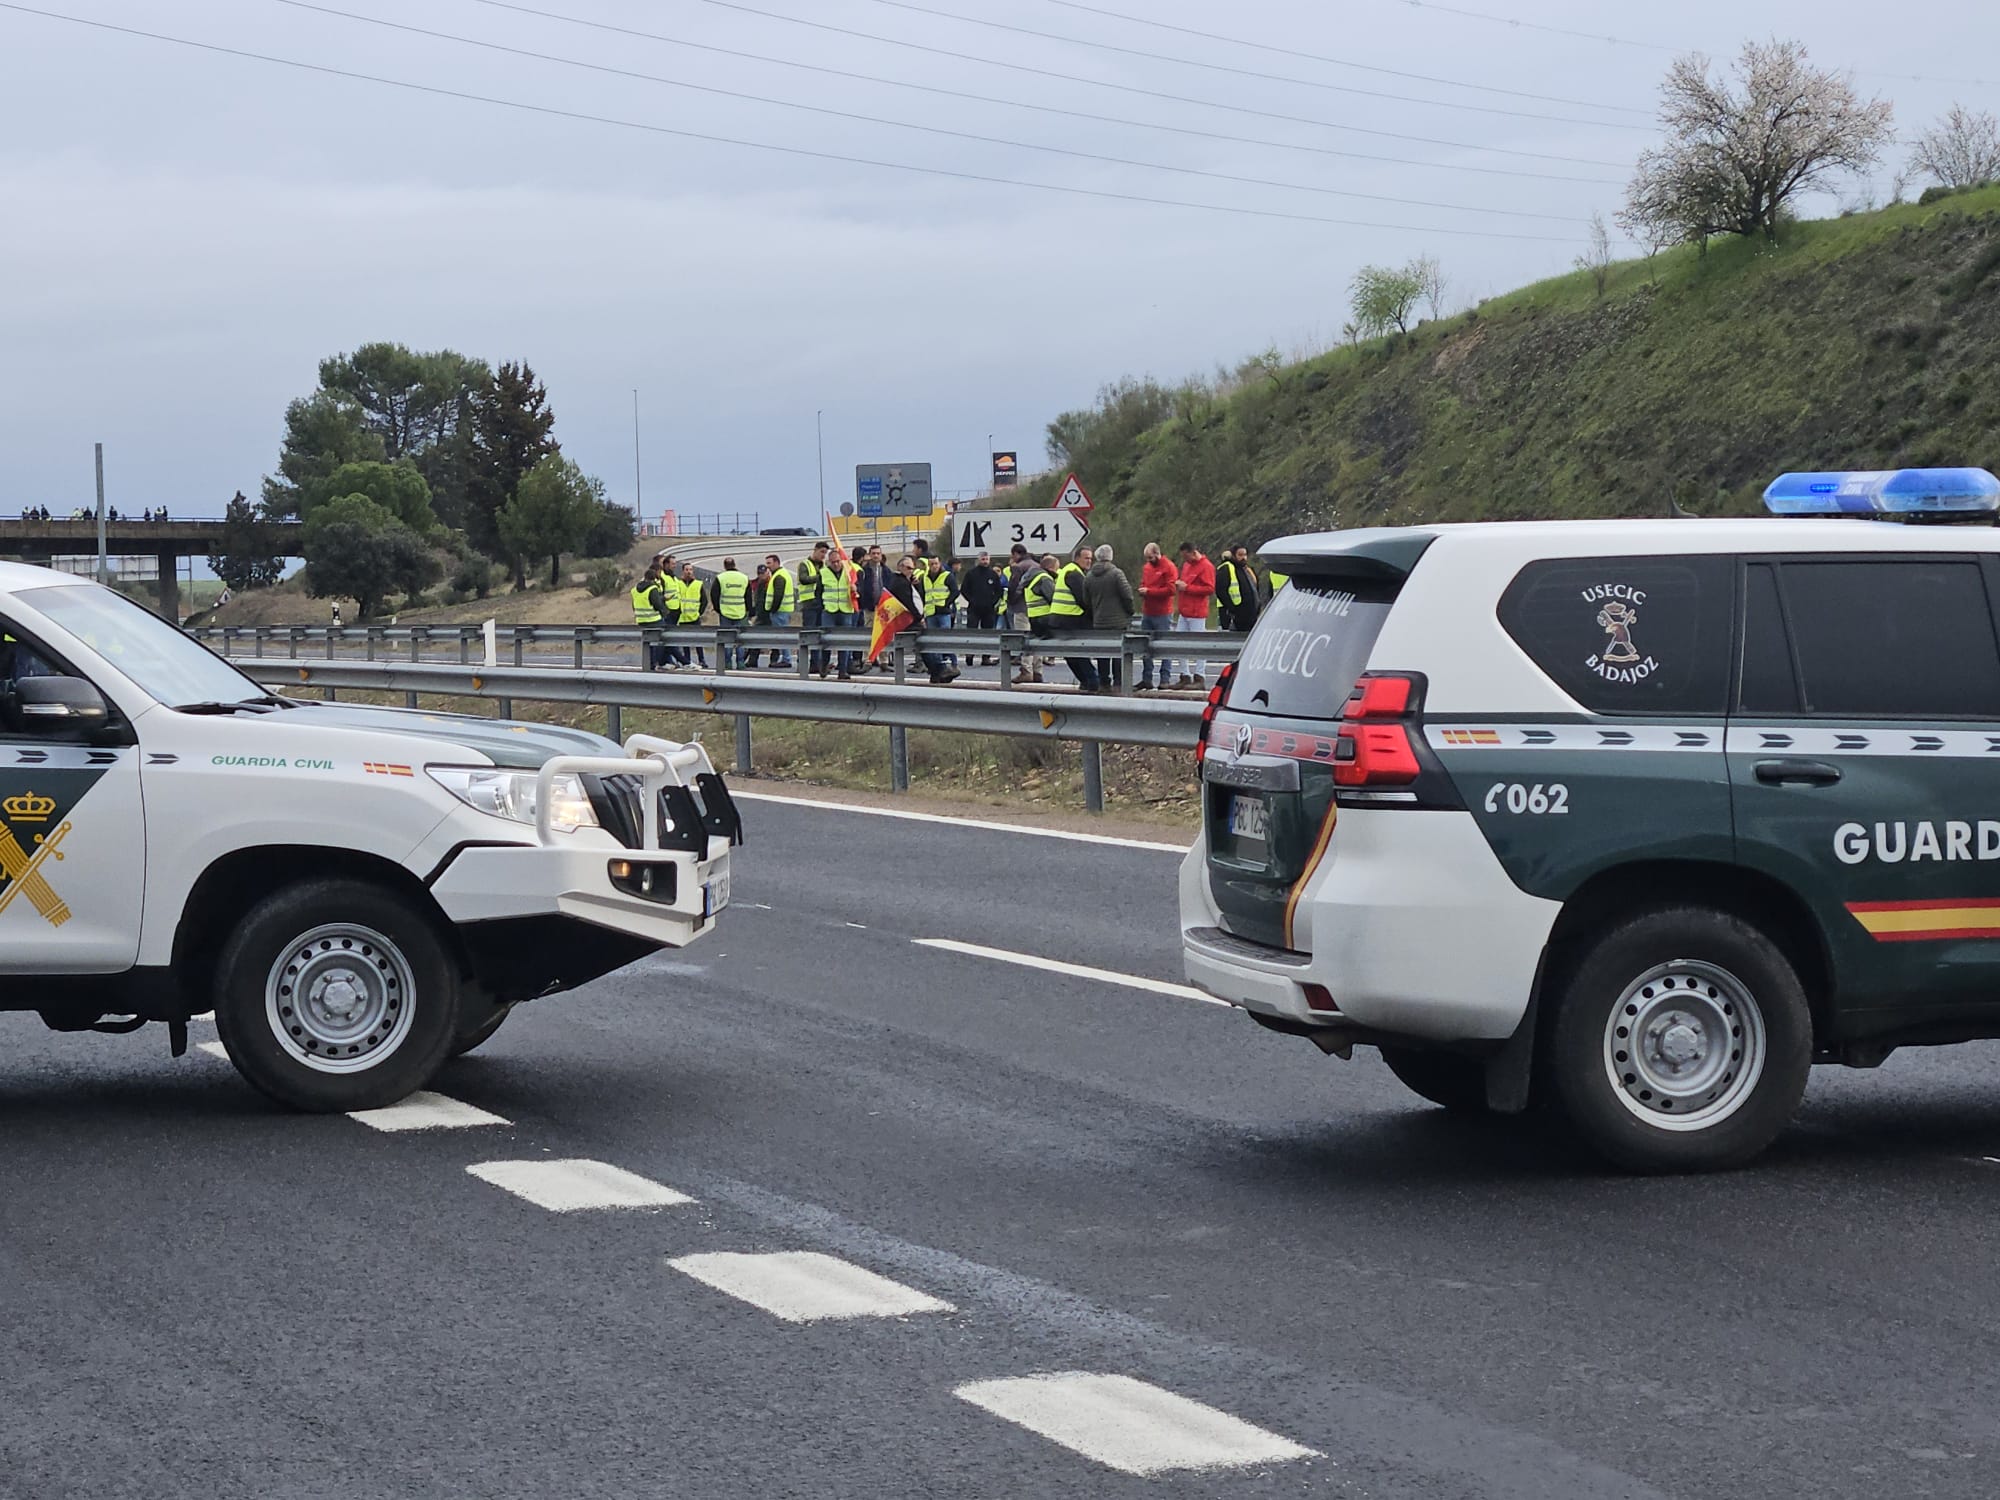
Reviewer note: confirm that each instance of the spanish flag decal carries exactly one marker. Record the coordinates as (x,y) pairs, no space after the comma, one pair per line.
(1928,921)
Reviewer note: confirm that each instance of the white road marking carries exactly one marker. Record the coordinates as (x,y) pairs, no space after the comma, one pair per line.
(802,1286)
(1128,1425)
(957,822)
(423,1111)
(1075,971)
(565,1186)
(213,1049)
(207,1015)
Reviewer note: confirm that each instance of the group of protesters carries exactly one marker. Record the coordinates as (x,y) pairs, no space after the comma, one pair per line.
(1048,596)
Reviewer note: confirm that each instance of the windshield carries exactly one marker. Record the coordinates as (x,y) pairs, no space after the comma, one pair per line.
(167,665)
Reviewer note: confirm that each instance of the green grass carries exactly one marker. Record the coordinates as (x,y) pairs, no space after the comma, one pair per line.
(1864,341)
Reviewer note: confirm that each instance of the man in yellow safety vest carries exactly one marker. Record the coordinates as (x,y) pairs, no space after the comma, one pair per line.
(647,598)
(1069,616)
(732,606)
(781,591)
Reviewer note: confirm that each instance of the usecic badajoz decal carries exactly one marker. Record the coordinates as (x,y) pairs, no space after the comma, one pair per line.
(1619,659)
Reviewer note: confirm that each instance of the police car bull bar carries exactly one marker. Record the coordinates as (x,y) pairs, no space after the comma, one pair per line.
(654,761)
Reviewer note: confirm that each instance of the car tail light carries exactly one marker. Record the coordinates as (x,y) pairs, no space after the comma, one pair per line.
(1374,748)
(1215,696)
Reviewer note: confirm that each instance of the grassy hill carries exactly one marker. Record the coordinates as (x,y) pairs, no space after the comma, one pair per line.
(1861,342)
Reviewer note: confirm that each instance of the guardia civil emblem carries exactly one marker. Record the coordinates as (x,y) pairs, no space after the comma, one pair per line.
(27,843)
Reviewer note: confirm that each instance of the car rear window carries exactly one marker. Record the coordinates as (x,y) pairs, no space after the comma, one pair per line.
(1628,635)
(1310,643)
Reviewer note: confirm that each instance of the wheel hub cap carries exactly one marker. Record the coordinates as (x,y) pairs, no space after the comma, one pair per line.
(1684,1045)
(340,998)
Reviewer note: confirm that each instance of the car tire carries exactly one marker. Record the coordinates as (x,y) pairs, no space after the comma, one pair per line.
(1681,1041)
(1445,1078)
(482,1019)
(334,995)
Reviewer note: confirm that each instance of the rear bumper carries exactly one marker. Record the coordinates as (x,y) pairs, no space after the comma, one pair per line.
(498,884)
(1413,927)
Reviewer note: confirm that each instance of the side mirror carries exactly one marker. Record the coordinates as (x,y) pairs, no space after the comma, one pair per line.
(58,704)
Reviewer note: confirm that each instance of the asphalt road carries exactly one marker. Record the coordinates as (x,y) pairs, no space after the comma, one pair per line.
(1013,1172)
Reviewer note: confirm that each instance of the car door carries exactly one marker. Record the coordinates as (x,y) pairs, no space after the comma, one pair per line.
(1865,767)
(72,830)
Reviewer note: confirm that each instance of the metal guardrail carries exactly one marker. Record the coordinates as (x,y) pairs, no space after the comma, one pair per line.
(383,642)
(1092,720)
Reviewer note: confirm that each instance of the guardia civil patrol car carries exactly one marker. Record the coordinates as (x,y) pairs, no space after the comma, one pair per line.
(1643,816)
(358,894)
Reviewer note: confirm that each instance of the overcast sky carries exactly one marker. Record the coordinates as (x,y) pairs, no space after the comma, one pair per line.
(184,234)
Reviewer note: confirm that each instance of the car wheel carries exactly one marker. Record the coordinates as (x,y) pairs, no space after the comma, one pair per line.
(1458,1083)
(333,995)
(481,1021)
(1681,1042)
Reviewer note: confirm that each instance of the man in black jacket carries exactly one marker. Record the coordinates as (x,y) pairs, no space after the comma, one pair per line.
(984,591)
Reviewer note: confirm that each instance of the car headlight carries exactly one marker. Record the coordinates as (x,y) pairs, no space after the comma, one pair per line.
(512,794)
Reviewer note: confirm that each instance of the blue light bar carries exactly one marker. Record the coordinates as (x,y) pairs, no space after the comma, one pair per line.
(1885,492)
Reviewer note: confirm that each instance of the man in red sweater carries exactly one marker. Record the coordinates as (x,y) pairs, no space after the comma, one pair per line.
(1158,583)
(1196,593)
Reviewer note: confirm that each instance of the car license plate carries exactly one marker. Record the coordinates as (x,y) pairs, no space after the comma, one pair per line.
(1246,818)
(714,895)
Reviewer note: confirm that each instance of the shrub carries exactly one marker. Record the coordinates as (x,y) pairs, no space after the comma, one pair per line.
(603,582)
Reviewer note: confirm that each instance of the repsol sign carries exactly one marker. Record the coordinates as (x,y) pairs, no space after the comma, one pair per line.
(1897,843)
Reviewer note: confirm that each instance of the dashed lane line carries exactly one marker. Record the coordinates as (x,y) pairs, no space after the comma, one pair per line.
(566,1186)
(803,1286)
(423,1111)
(1128,1425)
(213,1049)
(956,822)
(1074,971)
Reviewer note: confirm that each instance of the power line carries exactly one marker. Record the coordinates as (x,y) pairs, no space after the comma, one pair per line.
(1096,84)
(724,140)
(1626,41)
(962,96)
(1340,62)
(963,135)
(1216,67)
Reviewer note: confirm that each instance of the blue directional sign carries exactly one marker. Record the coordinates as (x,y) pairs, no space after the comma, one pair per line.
(892,489)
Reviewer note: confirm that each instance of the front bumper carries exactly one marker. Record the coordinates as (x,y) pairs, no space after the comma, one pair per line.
(657,870)
(590,882)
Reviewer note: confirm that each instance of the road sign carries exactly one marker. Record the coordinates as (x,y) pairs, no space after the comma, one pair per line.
(1071,497)
(976,531)
(1006,470)
(892,489)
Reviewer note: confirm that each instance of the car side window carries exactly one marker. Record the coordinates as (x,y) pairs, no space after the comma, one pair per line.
(1770,686)
(1633,635)
(1901,638)
(21,657)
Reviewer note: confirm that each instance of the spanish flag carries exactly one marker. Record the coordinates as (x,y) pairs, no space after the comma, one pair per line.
(890,617)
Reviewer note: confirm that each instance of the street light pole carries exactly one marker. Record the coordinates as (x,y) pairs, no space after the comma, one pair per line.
(638,490)
(103,562)
(819,440)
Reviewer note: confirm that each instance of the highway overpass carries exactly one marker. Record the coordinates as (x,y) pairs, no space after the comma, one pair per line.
(169,541)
